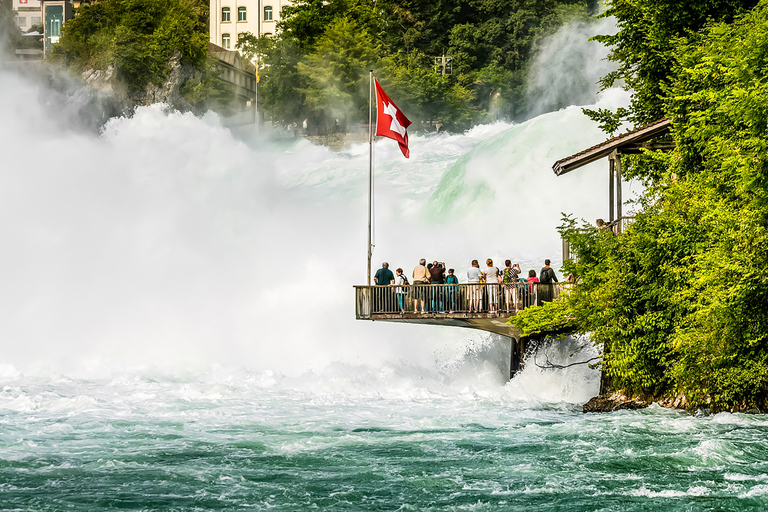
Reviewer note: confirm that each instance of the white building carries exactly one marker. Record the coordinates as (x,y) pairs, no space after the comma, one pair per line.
(232,17)
(27,13)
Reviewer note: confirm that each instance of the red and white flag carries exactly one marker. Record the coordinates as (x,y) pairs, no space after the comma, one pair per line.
(390,121)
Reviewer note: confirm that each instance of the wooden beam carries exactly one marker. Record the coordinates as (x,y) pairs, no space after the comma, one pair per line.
(611,202)
(629,140)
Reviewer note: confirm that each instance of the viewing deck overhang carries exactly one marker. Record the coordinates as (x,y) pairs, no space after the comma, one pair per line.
(490,322)
(454,305)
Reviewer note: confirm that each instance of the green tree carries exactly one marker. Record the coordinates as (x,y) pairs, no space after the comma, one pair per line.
(337,71)
(679,300)
(280,82)
(137,37)
(644,45)
(9,32)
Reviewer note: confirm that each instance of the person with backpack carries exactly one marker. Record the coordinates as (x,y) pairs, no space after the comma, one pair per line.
(547,280)
(400,281)
(510,279)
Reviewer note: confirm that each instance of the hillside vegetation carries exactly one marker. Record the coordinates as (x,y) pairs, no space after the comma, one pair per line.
(317,66)
(679,301)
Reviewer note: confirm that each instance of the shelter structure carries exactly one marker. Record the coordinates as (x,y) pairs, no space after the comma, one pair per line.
(652,136)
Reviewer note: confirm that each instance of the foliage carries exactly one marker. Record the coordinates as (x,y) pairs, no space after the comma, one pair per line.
(137,37)
(490,43)
(281,84)
(645,43)
(680,300)
(336,72)
(10,35)
(550,317)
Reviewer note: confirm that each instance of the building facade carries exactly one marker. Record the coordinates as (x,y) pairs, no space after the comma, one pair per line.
(229,18)
(27,14)
(54,13)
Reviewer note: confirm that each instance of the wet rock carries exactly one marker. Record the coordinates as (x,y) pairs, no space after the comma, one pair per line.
(614,402)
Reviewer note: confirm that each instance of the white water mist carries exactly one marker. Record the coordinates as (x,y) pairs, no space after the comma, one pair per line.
(167,241)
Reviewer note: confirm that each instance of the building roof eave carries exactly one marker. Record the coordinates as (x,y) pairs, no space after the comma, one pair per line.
(627,140)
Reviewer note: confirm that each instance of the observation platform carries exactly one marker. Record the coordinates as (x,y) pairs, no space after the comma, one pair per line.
(486,307)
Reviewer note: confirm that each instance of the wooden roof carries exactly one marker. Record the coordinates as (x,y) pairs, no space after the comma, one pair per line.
(629,142)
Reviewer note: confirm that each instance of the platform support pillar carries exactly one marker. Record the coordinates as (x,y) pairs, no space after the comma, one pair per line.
(516,356)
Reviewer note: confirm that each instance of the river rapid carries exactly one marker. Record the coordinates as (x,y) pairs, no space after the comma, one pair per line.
(178,325)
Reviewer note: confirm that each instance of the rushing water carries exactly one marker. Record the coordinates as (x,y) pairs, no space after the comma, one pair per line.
(177,328)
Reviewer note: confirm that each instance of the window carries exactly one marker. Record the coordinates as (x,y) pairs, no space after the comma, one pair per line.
(268,13)
(36,20)
(55,29)
(241,14)
(21,21)
(225,41)
(225,14)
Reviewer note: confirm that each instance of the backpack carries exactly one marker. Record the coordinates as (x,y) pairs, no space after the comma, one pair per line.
(507,279)
(405,280)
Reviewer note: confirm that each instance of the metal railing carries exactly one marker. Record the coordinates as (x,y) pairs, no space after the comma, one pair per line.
(468,298)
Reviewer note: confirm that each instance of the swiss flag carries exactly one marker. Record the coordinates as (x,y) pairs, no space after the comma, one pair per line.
(390,121)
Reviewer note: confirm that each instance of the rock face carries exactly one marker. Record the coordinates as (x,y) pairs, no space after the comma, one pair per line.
(106,84)
(614,402)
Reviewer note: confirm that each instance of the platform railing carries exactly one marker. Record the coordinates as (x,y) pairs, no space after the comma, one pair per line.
(468,298)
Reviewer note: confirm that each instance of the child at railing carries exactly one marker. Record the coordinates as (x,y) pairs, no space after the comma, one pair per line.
(452,290)
(532,288)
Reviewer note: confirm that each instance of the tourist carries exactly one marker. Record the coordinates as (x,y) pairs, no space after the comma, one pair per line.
(420,277)
(547,280)
(436,276)
(383,276)
(533,287)
(452,290)
(400,281)
(547,274)
(475,291)
(509,279)
(382,297)
(492,279)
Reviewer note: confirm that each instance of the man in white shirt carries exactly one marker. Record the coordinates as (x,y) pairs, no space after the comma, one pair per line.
(474,279)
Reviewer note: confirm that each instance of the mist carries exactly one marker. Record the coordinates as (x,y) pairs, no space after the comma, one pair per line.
(166,240)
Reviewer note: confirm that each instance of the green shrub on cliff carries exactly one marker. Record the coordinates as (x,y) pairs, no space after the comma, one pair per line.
(137,37)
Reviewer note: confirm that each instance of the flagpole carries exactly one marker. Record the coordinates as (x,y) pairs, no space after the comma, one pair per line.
(370,171)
